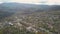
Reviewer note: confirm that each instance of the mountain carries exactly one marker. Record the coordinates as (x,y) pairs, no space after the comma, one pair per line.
(8,9)
(13,7)
(20,18)
(55,8)
(22,7)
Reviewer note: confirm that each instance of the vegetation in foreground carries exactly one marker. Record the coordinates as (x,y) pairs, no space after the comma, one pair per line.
(35,23)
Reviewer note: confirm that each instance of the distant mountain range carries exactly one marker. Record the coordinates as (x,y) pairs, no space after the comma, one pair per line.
(14,7)
(8,8)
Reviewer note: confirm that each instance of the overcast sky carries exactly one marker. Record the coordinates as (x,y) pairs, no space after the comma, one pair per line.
(34,1)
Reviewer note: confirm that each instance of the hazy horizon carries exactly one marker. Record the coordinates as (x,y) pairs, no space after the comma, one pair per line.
(48,2)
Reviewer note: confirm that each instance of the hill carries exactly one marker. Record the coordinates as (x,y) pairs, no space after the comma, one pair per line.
(29,19)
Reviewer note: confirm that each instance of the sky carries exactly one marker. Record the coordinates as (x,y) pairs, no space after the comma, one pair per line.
(50,2)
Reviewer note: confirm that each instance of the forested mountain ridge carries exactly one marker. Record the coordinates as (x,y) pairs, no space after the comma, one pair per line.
(29,19)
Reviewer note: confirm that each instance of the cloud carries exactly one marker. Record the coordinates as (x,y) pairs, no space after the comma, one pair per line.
(34,1)
(29,1)
(57,2)
(5,0)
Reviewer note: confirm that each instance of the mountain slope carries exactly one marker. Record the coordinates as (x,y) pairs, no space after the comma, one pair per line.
(29,19)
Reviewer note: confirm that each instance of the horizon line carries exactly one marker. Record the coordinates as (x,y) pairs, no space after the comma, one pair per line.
(32,3)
